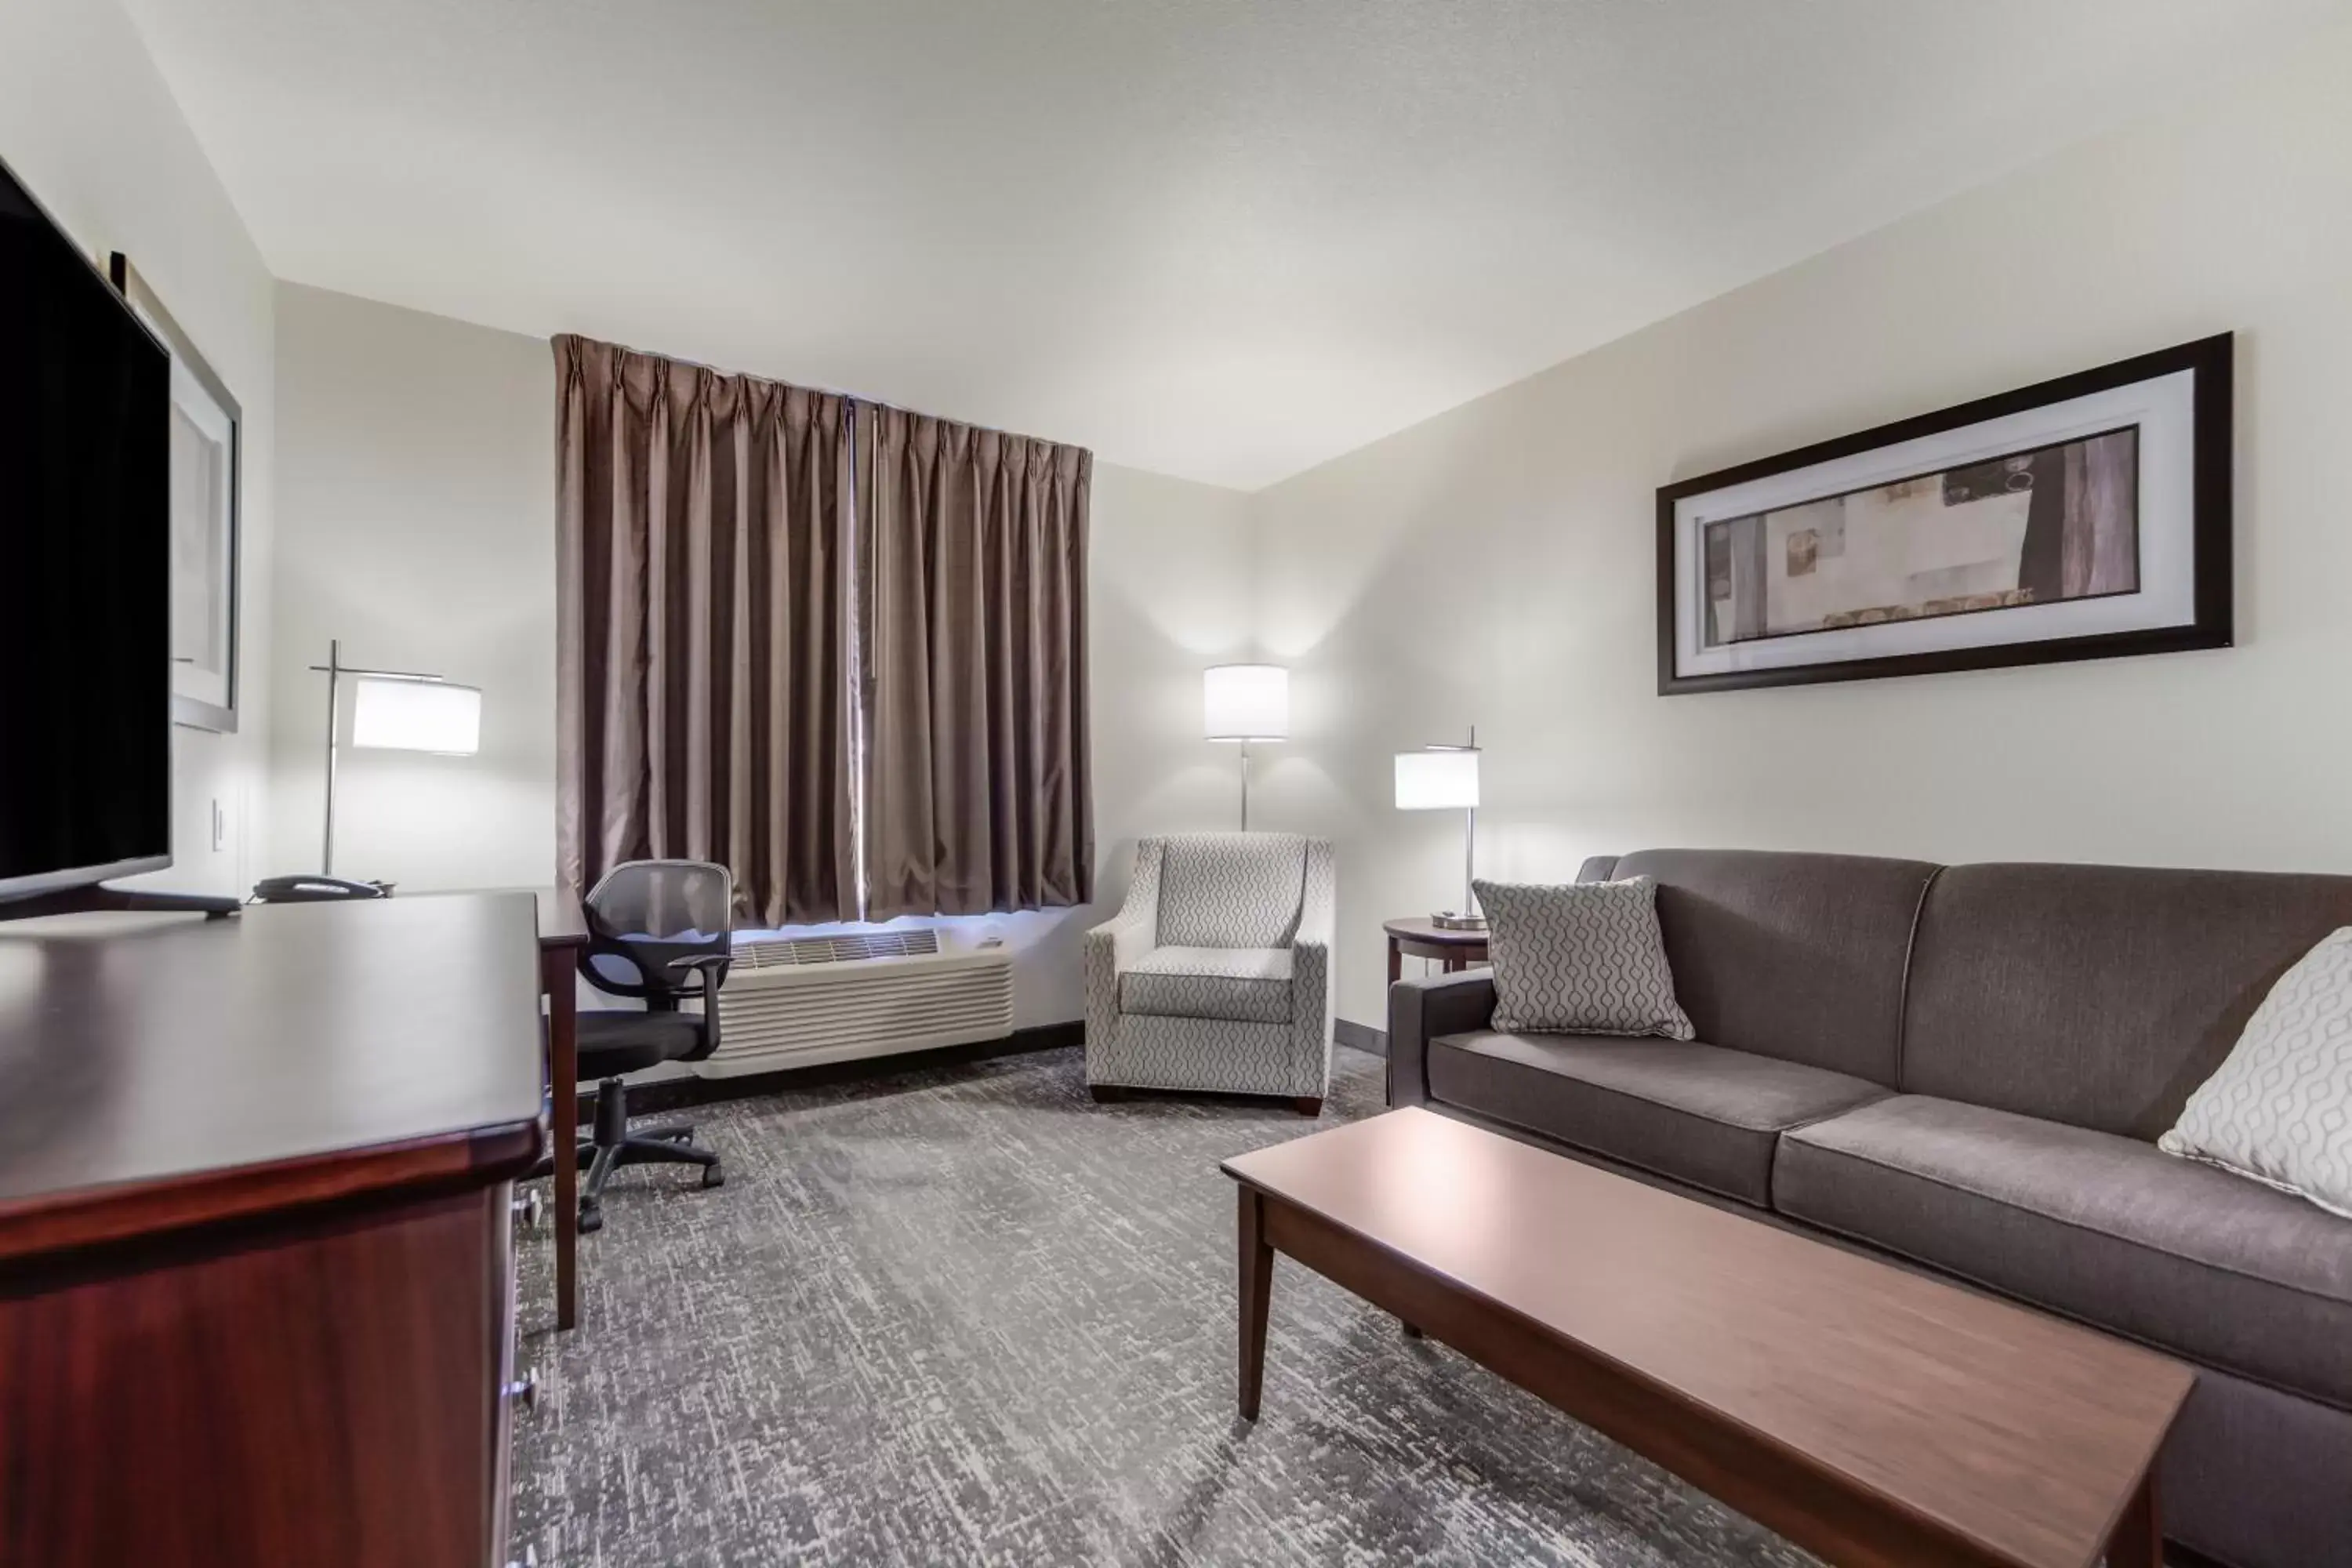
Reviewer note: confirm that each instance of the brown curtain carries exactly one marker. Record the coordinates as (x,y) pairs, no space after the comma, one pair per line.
(704,656)
(973,610)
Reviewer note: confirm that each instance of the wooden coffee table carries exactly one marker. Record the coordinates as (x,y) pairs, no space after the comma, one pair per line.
(1870,1415)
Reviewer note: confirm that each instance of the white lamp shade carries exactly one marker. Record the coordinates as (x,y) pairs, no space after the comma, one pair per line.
(1245,703)
(1436,780)
(416,716)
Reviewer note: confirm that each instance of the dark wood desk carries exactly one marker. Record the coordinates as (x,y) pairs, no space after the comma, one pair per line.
(563,937)
(1421,937)
(256,1231)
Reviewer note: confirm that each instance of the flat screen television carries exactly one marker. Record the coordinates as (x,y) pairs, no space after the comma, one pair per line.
(85,568)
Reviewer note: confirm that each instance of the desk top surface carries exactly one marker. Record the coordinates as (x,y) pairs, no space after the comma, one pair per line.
(136,1049)
(561,922)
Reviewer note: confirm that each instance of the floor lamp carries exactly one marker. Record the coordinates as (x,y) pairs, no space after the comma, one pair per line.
(1445,778)
(395,710)
(1245,703)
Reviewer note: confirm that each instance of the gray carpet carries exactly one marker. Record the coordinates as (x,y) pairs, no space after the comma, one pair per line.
(969,1317)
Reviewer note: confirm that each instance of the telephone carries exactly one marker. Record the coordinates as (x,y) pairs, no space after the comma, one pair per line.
(313,888)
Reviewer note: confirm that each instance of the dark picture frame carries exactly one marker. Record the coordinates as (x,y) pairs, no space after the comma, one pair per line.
(202,697)
(1684,580)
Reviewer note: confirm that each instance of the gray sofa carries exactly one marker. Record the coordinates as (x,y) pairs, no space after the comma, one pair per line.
(1965,1068)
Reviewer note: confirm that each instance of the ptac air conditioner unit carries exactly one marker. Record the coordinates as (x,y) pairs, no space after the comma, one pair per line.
(796,1001)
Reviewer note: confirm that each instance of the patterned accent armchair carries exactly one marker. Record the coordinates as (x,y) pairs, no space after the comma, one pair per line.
(1215,975)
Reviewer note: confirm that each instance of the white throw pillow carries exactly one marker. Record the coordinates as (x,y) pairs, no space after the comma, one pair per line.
(2280,1109)
(1580,958)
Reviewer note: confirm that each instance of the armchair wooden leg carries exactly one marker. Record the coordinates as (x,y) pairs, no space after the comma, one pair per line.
(1309,1105)
(1107,1093)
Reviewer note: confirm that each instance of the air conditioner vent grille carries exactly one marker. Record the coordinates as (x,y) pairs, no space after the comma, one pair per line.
(796,1000)
(797,952)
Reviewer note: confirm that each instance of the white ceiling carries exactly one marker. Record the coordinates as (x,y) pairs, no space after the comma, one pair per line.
(1222,239)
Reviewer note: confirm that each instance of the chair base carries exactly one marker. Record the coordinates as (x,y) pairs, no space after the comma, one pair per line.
(612,1146)
(1307,1105)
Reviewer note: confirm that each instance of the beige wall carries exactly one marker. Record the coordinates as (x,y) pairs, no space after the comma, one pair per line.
(1494,565)
(416,466)
(89,126)
(416,461)
(1168,594)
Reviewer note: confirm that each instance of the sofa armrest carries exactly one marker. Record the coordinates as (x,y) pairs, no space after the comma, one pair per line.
(1422,1009)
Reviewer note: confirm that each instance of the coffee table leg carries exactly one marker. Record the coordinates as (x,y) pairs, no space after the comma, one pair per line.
(2139,1540)
(1257,1280)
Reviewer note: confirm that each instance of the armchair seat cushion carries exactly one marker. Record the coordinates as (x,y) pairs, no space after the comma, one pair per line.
(1236,985)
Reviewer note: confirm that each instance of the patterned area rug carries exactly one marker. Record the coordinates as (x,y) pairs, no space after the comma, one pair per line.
(968,1316)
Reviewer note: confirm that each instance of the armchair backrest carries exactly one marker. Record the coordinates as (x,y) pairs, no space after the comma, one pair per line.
(646,917)
(1231,890)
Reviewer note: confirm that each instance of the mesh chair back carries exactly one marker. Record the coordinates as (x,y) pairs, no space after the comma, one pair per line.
(646,915)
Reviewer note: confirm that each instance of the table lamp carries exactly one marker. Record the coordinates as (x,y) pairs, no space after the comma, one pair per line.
(1445,778)
(399,711)
(1245,703)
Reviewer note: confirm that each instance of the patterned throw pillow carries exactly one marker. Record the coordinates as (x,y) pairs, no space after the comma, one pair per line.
(2280,1109)
(1582,958)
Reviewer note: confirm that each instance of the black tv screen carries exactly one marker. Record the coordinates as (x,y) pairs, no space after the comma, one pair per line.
(85,568)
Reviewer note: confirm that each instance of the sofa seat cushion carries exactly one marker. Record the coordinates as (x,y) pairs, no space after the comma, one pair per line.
(1695,1112)
(2101,1227)
(1237,984)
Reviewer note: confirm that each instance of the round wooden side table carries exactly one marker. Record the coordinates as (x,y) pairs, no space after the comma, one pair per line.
(1418,938)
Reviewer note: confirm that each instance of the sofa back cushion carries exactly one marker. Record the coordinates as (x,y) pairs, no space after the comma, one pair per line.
(1788,955)
(2097,995)
(1231,890)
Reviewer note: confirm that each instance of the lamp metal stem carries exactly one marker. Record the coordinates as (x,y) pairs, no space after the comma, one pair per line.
(1469,860)
(1244,786)
(334,711)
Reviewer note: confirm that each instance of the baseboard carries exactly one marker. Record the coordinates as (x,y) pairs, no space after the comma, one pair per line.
(678,1093)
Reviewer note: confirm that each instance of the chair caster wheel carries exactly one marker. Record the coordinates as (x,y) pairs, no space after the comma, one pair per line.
(712,1176)
(592,1219)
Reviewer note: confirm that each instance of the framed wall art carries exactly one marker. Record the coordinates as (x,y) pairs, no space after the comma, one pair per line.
(207,486)
(2082,518)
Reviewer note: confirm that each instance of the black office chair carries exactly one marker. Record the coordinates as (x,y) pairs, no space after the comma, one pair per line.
(658,931)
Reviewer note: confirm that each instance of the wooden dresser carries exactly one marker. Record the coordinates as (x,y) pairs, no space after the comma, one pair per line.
(256,1254)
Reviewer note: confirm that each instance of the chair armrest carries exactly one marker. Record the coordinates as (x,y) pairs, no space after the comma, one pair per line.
(1318,909)
(1422,1009)
(1122,939)
(1127,935)
(1119,942)
(712,968)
